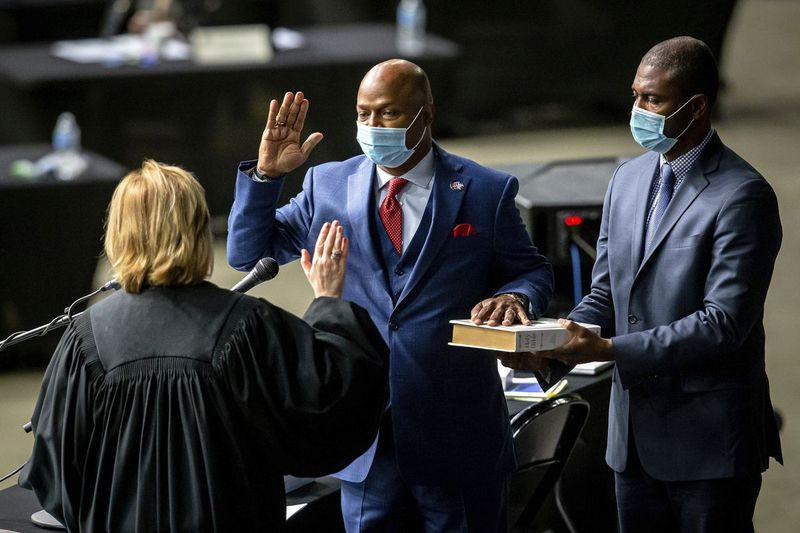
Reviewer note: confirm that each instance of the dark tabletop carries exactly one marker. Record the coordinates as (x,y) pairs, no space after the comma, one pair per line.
(32,65)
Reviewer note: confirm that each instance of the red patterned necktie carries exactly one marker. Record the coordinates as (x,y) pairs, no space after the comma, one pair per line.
(392,214)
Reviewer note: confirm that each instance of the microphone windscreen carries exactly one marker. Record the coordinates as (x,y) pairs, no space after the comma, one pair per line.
(266,268)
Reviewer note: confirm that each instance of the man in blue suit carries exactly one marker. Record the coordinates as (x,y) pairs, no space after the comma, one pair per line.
(687,245)
(433,237)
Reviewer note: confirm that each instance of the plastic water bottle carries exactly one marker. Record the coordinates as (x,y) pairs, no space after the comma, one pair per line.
(65,162)
(411,15)
(66,134)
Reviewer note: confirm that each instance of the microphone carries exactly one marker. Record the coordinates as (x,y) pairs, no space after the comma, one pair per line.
(265,270)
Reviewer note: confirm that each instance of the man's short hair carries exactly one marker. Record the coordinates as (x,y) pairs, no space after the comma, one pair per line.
(158,230)
(692,64)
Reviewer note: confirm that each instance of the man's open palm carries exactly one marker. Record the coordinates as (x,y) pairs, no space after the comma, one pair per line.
(280,151)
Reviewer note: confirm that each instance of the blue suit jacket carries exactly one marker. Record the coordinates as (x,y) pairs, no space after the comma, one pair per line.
(449,414)
(687,318)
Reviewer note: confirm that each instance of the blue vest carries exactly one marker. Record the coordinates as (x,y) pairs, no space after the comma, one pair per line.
(397,268)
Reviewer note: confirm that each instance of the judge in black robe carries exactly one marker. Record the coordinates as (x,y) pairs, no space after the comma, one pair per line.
(179,406)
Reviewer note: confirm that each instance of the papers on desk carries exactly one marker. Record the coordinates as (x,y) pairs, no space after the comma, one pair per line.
(292,509)
(224,45)
(291,483)
(590,369)
(524,386)
(121,50)
(285,39)
(218,44)
(532,391)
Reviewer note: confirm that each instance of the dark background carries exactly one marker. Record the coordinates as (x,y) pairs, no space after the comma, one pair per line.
(520,65)
(494,67)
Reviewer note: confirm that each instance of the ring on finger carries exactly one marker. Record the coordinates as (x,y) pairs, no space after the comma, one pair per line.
(336,254)
(280,123)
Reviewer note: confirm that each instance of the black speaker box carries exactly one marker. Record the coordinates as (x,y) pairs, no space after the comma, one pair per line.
(561,203)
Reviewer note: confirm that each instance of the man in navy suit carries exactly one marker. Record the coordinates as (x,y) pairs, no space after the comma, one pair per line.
(687,245)
(443,241)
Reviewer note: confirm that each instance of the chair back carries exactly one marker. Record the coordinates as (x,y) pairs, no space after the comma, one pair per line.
(544,435)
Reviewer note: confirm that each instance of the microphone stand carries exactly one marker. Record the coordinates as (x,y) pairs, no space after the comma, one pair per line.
(57,322)
(20,336)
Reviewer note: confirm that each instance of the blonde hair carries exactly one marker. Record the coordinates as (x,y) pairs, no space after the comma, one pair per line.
(158,230)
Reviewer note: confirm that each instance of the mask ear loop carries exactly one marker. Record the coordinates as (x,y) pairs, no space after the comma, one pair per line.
(678,110)
(422,136)
(684,129)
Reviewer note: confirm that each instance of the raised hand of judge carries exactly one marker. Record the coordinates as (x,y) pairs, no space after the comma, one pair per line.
(326,269)
(280,151)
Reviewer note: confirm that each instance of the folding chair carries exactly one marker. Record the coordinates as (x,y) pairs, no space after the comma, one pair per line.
(544,436)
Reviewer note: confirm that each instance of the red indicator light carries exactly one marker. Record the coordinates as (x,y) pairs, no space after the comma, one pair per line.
(573,220)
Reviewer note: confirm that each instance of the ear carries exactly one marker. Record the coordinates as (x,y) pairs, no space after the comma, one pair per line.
(429,111)
(699,106)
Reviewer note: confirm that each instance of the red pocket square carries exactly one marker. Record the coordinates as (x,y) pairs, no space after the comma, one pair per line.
(463,230)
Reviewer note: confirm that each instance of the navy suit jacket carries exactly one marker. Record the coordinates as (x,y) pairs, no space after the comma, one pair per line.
(449,414)
(687,318)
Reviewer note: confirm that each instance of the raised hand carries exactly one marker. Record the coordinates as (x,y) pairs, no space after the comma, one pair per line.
(326,269)
(280,151)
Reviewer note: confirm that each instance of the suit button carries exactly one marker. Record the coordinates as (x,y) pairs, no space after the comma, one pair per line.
(394,326)
(632,319)
(399,271)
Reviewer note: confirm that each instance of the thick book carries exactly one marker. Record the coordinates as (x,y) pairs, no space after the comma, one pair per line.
(542,334)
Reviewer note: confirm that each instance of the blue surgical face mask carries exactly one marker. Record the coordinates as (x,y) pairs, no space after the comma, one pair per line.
(647,129)
(387,146)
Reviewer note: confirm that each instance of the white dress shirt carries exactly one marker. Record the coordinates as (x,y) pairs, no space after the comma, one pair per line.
(413,198)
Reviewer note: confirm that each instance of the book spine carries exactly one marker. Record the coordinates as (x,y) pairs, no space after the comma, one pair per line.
(535,341)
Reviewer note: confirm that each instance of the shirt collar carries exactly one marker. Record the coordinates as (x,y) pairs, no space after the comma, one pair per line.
(681,164)
(420,175)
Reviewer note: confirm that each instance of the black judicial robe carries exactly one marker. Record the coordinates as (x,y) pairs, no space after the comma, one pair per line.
(180,409)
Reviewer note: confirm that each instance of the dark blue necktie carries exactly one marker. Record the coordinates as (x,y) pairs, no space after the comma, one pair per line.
(662,201)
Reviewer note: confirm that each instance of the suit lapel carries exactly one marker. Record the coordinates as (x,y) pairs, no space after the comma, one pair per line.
(359,196)
(692,186)
(648,168)
(446,204)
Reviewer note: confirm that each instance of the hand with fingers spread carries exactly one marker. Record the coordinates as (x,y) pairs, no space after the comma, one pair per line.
(326,269)
(280,151)
(501,310)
